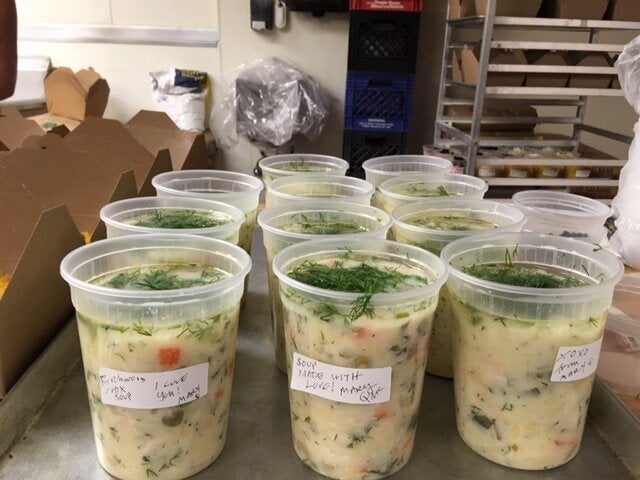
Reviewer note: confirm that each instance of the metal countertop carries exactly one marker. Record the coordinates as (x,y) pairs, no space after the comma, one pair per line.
(59,445)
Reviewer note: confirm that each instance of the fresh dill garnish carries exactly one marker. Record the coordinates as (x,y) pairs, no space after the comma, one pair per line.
(510,273)
(197,328)
(357,438)
(161,277)
(146,330)
(360,278)
(419,190)
(323,225)
(451,222)
(178,219)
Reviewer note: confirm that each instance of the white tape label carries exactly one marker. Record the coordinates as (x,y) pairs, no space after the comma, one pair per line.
(347,385)
(576,363)
(154,390)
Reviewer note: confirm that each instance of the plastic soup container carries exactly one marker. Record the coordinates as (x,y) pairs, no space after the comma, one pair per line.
(432,225)
(237,189)
(379,169)
(157,316)
(420,187)
(293,223)
(529,315)
(564,214)
(356,358)
(194,216)
(293,164)
(315,187)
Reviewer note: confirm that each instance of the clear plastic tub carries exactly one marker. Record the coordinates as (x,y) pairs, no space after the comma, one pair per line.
(158,345)
(379,169)
(293,223)
(525,357)
(356,363)
(292,164)
(237,189)
(315,187)
(420,187)
(195,216)
(619,361)
(433,225)
(564,214)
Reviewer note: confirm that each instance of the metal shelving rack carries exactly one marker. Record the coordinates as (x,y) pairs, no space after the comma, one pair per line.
(480,95)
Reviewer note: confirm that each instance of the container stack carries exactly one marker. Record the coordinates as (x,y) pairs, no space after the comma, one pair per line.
(383,38)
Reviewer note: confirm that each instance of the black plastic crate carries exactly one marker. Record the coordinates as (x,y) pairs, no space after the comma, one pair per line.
(378,101)
(360,146)
(383,41)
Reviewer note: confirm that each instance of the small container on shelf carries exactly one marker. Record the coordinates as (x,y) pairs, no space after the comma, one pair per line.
(547,171)
(575,171)
(490,171)
(518,171)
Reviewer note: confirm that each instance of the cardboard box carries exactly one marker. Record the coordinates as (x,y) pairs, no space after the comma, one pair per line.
(50,122)
(471,67)
(581,9)
(456,69)
(156,132)
(57,175)
(624,10)
(537,57)
(593,59)
(36,302)
(511,8)
(76,95)
(14,128)
(117,150)
(510,115)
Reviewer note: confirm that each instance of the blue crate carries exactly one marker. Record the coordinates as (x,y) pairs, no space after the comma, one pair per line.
(358,146)
(378,102)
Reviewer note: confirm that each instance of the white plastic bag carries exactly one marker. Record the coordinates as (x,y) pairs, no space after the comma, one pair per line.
(626,239)
(181,94)
(269,100)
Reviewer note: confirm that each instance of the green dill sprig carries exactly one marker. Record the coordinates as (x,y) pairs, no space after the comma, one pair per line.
(511,273)
(160,279)
(327,225)
(179,219)
(419,190)
(361,278)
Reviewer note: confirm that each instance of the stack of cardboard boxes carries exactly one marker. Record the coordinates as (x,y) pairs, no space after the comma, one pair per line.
(52,187)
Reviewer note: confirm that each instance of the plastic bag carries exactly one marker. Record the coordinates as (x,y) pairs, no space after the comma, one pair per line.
(181,94)
(626,239)
(269,101)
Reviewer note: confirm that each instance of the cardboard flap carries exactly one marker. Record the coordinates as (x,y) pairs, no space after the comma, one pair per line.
(14,128)
(156,131)
(110,142)
(49,141)
(63,176)
(26,326)
(87,77)
(149,118)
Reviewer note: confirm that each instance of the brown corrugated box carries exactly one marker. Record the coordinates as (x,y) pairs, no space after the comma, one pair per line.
(156,132)
(511,8)
(14,128)
(581,9)
(471,67)
(624,11)
(537,57)
(593,59)
(510,115)
(76,95)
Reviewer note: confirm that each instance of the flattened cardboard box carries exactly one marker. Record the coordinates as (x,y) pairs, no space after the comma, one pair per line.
(624,11)
(76,95)
(469,60)
(118,151)
(581,9)
(510,8)
(57,175)
(593,59)
(156,131)
(14,128)
(36,302)
(546,79)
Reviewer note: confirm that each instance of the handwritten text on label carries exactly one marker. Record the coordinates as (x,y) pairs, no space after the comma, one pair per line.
(577,362)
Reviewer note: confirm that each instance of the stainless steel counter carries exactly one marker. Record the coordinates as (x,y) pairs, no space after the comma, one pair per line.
(59,444)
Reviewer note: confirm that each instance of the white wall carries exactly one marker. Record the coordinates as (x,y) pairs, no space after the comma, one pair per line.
(126,67)
(317,45)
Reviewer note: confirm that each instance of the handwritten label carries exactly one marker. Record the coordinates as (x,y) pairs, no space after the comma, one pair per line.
(576,363)
(154,390)
(347,385)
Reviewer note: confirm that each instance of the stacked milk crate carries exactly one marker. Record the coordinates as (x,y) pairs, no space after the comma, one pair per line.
(383,37)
